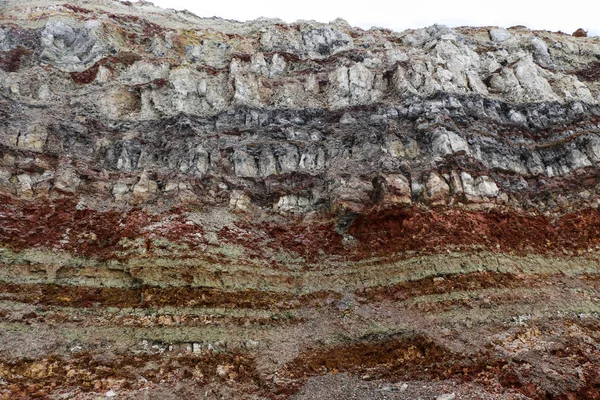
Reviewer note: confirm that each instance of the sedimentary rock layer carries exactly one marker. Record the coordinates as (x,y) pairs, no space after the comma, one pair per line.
(245,209)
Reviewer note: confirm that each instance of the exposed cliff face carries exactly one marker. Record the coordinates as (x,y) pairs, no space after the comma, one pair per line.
(151,158)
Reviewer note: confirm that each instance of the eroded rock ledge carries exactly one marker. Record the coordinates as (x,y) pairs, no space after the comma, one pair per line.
(168,166)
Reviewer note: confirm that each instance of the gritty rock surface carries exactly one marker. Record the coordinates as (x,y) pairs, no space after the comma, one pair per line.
(203,208)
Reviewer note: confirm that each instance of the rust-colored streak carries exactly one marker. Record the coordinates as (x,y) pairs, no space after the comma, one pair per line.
(149,297)
(85,77)
(10,61)
(26,379)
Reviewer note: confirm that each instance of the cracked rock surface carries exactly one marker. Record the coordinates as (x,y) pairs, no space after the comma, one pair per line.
(243,210)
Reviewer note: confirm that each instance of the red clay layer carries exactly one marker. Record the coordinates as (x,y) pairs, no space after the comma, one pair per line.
(57,224)
(27,379)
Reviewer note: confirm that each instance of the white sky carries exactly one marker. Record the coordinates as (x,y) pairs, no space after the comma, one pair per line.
(553,15)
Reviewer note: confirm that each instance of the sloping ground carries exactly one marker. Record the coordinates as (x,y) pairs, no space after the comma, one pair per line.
(201,208)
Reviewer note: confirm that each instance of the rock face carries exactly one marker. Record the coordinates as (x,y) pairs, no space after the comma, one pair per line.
(149,152)
(92,99)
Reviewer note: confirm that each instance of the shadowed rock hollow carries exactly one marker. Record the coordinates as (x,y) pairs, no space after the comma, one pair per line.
(204,207)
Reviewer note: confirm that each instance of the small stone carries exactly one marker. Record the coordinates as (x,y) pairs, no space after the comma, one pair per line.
(404,387)
(445,142)
(347,119)
(224,370)
(111,394)
(499,34)
(446,396)
(119,190)
(196,348)
(186,347)
(165,320)
(517,117)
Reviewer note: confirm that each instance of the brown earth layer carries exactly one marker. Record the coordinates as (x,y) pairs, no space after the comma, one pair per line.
(43,224)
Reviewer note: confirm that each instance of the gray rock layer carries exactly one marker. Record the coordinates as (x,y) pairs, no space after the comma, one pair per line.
(125,104)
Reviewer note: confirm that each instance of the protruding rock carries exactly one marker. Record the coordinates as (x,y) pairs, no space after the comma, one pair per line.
(437,190)
(499,34)
(292,203)
(239,201)
(531,79)
(24,186)
(267,164)
(324,41)
(478,189)
(70,45)
(144,188)
(289,159)
(397,190)
(33,138)
(456,186)
(445,142)
(347,119)
(119,190)
(351,194)
(202,160)
(67,179)
(245,164)
(278,66)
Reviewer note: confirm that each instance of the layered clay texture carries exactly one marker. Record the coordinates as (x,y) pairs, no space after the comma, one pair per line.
(203,208)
